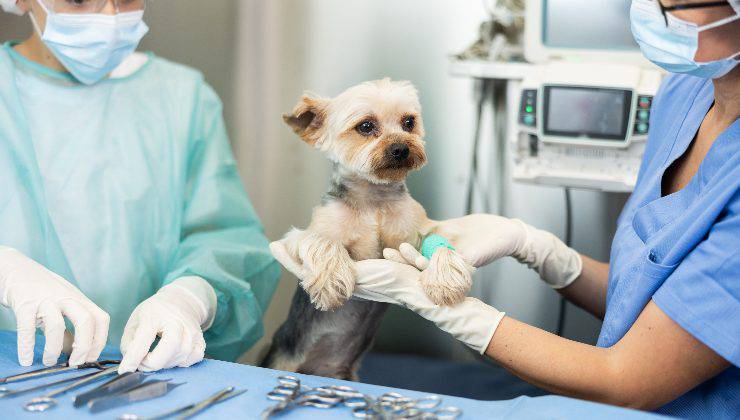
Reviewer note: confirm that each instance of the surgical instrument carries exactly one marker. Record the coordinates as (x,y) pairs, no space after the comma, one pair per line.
(118,384)
(395,405)
(143,392)
(191,409)
(47,401)
(56,369)
(291,393)
(215,399)
(11,393)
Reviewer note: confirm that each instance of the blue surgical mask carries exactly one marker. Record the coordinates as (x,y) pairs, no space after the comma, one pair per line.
(90,46)
(672,45)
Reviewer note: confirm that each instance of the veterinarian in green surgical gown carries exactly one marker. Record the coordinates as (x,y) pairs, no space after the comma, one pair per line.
(126,185)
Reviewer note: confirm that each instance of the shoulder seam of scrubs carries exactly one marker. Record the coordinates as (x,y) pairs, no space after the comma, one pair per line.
(680,313)
(729,258)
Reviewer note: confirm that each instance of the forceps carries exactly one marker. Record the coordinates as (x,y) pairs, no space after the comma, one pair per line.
(56,369)
(47,401)
(10,393)
(395,405)
(191,409)
(289,393)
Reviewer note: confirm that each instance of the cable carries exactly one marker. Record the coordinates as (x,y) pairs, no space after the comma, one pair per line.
(568,242)
(473,178)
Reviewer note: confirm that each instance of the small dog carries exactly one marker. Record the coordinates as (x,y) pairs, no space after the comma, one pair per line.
(373,134)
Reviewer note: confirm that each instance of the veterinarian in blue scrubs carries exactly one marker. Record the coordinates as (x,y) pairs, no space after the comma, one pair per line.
(669,296)
(121,208)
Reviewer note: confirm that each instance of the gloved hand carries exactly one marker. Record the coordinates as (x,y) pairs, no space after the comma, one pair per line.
(471,321)
(483,238)
(39,297)
(179,313)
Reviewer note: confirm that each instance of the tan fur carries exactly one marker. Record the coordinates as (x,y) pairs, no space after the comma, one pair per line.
(374,211)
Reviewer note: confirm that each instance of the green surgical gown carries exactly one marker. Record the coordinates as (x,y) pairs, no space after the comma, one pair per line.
(127,185)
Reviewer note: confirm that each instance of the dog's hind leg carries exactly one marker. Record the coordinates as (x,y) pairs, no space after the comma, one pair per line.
(327,344)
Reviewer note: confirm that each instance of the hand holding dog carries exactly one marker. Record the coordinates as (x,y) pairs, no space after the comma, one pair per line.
(471,321)
(484,238)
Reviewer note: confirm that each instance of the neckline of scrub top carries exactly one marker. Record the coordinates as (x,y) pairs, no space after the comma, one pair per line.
(697,111)
(61,75)
(650,218)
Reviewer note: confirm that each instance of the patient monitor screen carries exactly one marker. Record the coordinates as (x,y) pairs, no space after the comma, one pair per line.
(587,112)
(587,24)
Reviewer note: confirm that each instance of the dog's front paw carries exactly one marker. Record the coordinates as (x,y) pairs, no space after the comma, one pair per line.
(330,279)
(330,289)
(448,278)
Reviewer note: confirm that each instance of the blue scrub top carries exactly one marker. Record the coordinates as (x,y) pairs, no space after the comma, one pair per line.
(683,250)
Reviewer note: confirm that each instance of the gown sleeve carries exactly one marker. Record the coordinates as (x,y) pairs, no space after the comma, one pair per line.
(702,294)
(222,239)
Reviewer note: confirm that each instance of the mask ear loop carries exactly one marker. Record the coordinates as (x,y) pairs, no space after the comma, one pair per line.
(723,21)
(676,23)
(35,22)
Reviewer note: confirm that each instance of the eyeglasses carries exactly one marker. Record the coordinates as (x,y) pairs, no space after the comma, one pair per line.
(688,6)
(94,6)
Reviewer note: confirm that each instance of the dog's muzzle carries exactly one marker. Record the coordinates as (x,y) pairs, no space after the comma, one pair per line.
(398,152)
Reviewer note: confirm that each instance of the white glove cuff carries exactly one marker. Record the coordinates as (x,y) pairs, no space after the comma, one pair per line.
(201,292)
(494,326)
(557,264)
(10,260)
(472,322)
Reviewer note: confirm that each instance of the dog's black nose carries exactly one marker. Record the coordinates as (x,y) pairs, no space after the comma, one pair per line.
(398,151)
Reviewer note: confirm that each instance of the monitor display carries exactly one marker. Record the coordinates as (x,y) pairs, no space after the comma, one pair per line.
(596,113)
(587,24)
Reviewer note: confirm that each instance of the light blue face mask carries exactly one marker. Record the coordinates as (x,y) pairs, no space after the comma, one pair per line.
(673,46)
(90,46)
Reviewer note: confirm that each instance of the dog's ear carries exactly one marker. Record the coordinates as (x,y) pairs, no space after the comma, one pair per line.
(308,117)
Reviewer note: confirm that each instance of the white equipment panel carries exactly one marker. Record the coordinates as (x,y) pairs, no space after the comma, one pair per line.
(583,125)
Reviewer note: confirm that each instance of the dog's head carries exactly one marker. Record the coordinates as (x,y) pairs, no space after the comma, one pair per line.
(373,130)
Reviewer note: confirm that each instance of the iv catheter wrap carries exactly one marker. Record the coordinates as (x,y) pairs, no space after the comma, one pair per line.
(432,242)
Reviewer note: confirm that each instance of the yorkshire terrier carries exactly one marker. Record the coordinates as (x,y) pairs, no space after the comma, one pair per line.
(373,134)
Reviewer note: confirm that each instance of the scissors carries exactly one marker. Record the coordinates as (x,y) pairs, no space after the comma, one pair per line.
(190,410)
(57,369)
(290,393)
(395,406)
(47,401)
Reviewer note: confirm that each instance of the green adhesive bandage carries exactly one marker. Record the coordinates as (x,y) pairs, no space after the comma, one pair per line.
(432,242)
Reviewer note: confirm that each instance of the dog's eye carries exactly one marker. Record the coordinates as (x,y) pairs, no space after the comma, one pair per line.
(365,128)
(408,124)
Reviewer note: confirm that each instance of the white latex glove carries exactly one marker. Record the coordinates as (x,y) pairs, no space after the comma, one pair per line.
(179,313)
(471,321)
(39,297)
(484,238)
